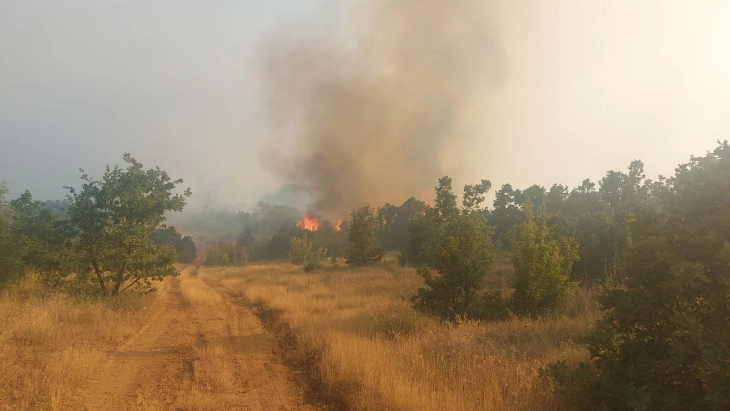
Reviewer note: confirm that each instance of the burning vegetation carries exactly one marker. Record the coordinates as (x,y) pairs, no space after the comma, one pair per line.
(308,223)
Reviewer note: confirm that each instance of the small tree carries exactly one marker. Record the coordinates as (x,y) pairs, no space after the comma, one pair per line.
(225,253)
(187,252)
(542,265)
(426,228)
(185,246)
(216,254)
(47,240)
(461,253)
(11,247)
(115,218)
(363,238)
(301,251)
(246,238)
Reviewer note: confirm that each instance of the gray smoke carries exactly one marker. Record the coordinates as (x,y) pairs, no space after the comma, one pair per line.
(366,112)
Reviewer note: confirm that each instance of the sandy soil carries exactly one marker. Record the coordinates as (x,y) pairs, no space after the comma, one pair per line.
(161,367)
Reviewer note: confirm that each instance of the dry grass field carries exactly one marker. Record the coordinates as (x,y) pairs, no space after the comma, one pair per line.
(273,337)
(357,336)
(50,344)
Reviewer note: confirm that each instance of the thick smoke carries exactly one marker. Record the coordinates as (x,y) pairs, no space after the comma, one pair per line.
(365,113)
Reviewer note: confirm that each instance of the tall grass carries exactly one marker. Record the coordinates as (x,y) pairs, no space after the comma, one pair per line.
(194,290)
(50,343)
(372,351)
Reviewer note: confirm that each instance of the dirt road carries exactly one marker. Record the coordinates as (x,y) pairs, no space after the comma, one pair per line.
(195,357)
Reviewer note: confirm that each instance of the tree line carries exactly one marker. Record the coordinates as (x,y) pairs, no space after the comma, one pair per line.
(660,248)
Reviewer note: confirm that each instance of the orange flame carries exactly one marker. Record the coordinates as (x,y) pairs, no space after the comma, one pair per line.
(338,226)
(309,224)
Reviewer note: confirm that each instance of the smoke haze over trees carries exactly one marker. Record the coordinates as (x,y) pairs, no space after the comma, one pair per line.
(585,85)
(286,117)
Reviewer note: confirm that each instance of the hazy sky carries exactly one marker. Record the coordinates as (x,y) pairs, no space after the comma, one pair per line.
(588,86)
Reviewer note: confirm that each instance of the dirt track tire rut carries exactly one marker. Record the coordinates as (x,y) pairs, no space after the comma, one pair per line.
(164,365)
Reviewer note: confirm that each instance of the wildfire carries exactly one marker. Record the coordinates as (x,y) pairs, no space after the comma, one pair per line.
(428,196)
(309,224)
(338,226)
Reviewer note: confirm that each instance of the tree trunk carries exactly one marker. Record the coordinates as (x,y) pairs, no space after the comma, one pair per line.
(120,279)
(120,274)
(99,277)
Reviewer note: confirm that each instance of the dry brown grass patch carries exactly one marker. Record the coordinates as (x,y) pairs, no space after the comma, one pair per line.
(50,344)
(194,290)
(375,352)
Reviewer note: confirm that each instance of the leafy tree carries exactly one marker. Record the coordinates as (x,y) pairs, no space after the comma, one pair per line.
(225,253)
(474,195)
(555,198)
(542,266)
(428,225)
(421,232)
(58,207)
(445,209)
(115,218)
(583,199)
(506,213)
(187,252)
(246,239)
(459,256)
(301,251)
(47,240)
(184,246)
(618,189)
(300,248)
(664,343)
(395,222)
(11,249)
(278,246)
(535,194)
(363,238)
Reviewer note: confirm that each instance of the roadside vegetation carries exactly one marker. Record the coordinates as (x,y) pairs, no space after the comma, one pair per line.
(356,333)
(52,343)
(60,264)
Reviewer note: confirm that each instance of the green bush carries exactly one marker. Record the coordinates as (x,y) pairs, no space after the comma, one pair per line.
(542,266)
(664,343)
(225,254)
(301,252)
(458,256)
(363,238)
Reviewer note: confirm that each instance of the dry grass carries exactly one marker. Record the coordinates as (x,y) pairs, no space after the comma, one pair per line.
(194,290)
(211,379)
(374,352)
(212,382)
(50,344)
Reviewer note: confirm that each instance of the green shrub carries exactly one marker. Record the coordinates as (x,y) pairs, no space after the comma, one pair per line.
(542,266)
(664,343)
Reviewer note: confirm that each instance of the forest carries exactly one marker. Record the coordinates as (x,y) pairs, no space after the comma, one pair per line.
(657,251)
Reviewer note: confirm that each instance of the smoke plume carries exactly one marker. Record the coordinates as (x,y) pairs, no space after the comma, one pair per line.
(365,111)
